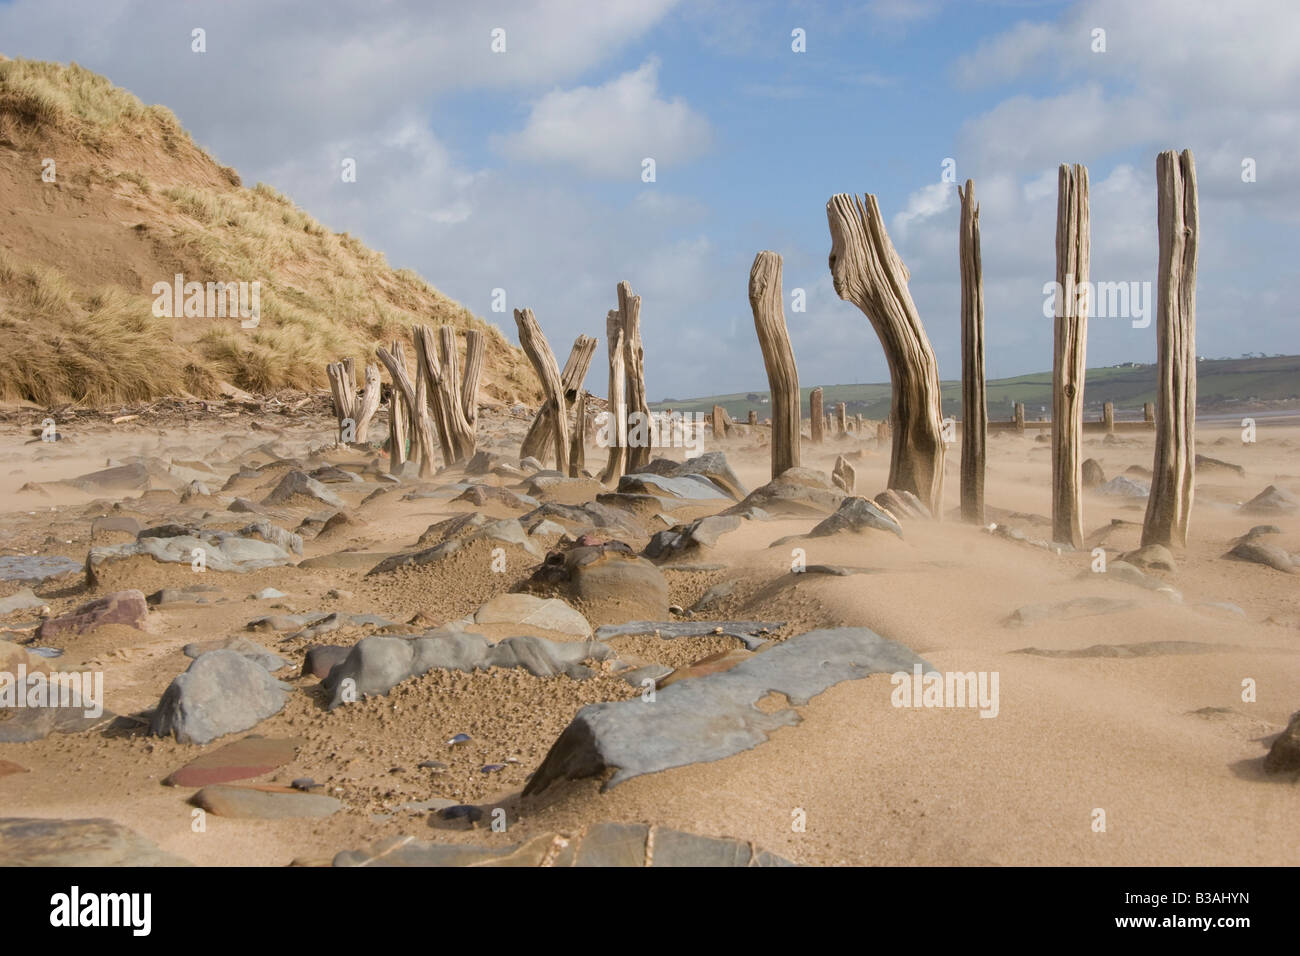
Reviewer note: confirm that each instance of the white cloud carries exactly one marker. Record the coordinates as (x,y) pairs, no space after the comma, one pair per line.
(608,130)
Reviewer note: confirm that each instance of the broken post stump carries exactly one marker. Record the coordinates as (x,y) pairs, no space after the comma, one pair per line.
(817,417)
(1069,348)
(543,361)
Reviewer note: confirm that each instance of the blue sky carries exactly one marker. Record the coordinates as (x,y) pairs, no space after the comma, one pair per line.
(521,170)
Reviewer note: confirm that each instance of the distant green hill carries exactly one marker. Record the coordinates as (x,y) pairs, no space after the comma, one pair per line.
(1220,382)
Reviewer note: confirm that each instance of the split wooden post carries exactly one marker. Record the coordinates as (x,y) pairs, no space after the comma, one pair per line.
(475,347)
(344,390)
(974,405)
(1108,417)
(539,439)
(1173,473)
(842,417)
(397,418)
(1069,349)
(629,307)
(816,416)
(868,272)
(778,358)
(415,398)
(543,361)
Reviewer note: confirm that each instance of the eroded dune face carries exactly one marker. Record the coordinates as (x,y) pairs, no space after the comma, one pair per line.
(578,663)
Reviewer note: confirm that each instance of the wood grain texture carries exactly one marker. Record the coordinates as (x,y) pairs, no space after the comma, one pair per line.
(543,361)
(765,301)
(974,403)
(1070,341)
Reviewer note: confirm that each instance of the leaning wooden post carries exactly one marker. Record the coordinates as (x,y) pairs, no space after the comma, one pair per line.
(868,272)
(778,358)
(1108,418)
(974,405)
(542,358)
(1173,473)
(816,416)
(1069,347)
(415,397)
(397,418)
(539,438)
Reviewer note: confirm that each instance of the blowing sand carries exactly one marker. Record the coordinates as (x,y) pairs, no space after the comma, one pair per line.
(1163,742)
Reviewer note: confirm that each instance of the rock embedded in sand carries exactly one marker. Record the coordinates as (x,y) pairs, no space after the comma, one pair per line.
(1067,610)
(858,515)
(753,634)
(239,760)
(526,610)
(1122,487)
(796,492)
(221,551)
(276,535)
(1261,552)
(1154,556)
(610,582)
(255,652)
(299,485)
(36,568)
(1284,755)
(121,607)
(711,466)
(1206,463)
(687,487)
(709,718)
(323,658)
(687,539)
(264,803)
(24,600)
(377,664)
(77,843)
(222,692)
(1272,501)
(1093,475)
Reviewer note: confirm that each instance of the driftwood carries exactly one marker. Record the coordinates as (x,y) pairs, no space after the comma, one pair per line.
(578,442)
(540,437)
(718,422)
(868,272)
(844,475)
(399,425)
(778,358)
(1068,356)
(415,399)
(629,307)
(348,405)
(816,416)
(617,428)
(974,405)
(368,402)
(543,361)
(1173,473)
(842,418)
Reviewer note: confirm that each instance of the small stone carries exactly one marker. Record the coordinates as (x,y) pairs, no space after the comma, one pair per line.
(458,740)
(493,767)
(304,783)
(437,766)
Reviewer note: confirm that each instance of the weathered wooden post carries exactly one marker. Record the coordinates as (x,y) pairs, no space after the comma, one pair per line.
(1069,347)
(718,422)
(974,406)
(1148,412)
(753,418)
(1173,473)
(868,272)
(1108,417)
(540,438)
(882,431)
(816,417)
(778,358)
(543,361)
(578,447)
(842,417)
(629,307)
(416,399)
(857,424)
(1018,416)
(616,427)
(397,418)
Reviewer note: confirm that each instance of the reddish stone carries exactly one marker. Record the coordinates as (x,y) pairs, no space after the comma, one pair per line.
(120,607)
(250,757)
(8,766)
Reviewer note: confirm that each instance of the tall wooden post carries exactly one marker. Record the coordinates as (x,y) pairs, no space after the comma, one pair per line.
(868,272)
(778,357)
(1108,417)
(753,418)
(1173,473)
(629,307)
(842,417)
(816,416)
(397,419)
(616,428)
(578,445)
(1069,346)
(974,406)
(543,361)
(1018,416)
(1148,412)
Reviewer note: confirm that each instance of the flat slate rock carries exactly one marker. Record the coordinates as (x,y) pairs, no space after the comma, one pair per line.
(1142,649)
(749,633)
(603,844)
(529,611)
(36,568)
(121,607)
(250,757)
(264,803)
(80,843)
(1067,610)
(709,718)
(24,600)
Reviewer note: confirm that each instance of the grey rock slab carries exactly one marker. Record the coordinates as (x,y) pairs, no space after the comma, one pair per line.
(36,568)
(1260,552)
(297,484)
(24,600)
(690,487)
(1272,501)
(675,848)
(221,693)
(264,803)
(613,844)
(240,645)
(747,632)
(709,718)
(1122,486)
(688,538)
(377,664)
(857,514)
(77,843)
(529,611)
(222,552)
